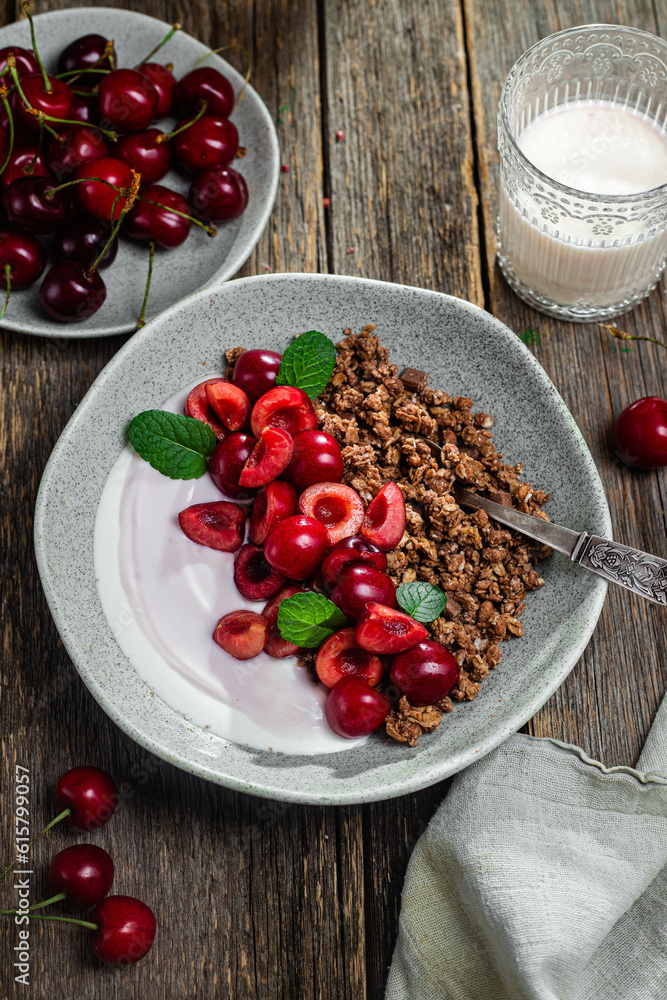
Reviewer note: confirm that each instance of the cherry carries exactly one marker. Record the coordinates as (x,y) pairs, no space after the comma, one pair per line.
(255,372)
(198,407)
(241,633)
(91,796)
(384,522)
(208,142)
(640,433)
(349,550)
(97,198)
(165,84)
(317,458)
(274,503)
(146,153)
(424,674)
(26,258)
(27,206)
(218,524)
(84,108)
(25,161)
(274,644)
(127,100)
(354,708)
(296,546)
(284,407)
(150,219)
(82,873)
(342,656)
(338,507)
(359,583)
(55,102)
(71,292)
(126,930)
(205,85)
(26,61)
(229,403)
(254,577)
(75,146)
(87,52)
(83,241)
(219,194)
(385,630)
(268,458)
(226,464)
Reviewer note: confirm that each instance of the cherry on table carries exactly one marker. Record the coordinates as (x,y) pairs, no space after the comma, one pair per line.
(241,634)
(91,796)
(75,146)
(88,52)
(27,206)
(296,546)
(349,550)
(150,218)
(425,673)
(217,524)
(342,656)
(71,292)
(254,576)
(226,464)
(146,153)
(127,99)
(97,198)
(56,102)
(219,194)
(25,161)
(274,644)
(126,930)
(208,142)
(274,502)
(25,255)
(256,371)
(317,458)
(640,433)
(205,85)
(359,583)
(337,506)
(354,708)
(83,873)
(165,84)
(83,241)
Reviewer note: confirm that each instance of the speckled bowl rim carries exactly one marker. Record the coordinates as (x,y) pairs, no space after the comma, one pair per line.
(245,242)
(344,793)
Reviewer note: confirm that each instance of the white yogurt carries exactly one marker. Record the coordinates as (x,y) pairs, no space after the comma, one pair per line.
(604,149)
(163,595)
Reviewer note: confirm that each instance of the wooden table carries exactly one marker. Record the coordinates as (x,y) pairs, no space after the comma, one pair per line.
(258,899)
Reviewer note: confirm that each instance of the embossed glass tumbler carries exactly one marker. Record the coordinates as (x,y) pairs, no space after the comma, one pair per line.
(574,254)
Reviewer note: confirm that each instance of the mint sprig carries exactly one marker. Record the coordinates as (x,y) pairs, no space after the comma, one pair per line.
(308,619)
(308,363)
(423,601)
(173,444)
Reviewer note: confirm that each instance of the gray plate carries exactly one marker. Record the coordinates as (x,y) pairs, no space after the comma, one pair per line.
(201,261)
(466,352)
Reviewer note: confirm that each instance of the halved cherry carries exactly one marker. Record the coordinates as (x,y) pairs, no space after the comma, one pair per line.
(341,655)
(338,507)
(274,503)
(226,462)
(229,403)
(241,633)
(218,524)
(269,457)
(384,522)
(284,407)
(198,406)
(254,577)
(349,550)
(385,630)
(274,644)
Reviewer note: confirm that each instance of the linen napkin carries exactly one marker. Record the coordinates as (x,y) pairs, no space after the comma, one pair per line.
(542,876)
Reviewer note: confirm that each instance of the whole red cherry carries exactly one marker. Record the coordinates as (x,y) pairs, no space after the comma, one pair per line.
(146,153)
(255,372)
(354,708)
(219,194)
(640,433)
(91,795)
(165,84)
(75,145)
(205,85)
(316,458)
(26,258)
(208,142)
(150,218)
(84,872)
(126,930)
(425,673)
(97,199)
(127,100)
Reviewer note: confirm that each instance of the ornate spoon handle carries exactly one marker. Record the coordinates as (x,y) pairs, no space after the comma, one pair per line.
(631,568)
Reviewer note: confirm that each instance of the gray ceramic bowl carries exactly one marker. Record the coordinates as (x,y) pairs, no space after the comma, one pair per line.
(466,352)
(201,261)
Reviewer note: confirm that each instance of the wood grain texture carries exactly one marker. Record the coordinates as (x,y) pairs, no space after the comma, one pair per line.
(258,899)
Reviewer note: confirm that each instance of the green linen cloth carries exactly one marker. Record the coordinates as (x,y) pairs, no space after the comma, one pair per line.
(542,876)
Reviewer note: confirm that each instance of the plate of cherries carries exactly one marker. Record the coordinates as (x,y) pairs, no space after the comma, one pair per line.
(136,167)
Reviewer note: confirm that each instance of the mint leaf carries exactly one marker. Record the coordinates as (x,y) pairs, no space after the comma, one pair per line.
(308,363)
(308,619)
(175,445)
(422,601)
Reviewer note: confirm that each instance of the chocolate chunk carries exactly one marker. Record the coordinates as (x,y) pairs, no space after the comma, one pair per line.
(498,496)
(414,380)
(471,451)
(452,608)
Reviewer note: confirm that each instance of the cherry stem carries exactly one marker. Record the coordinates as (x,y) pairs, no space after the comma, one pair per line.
(129,202)
(50,192)
(210,230)
(182,128)
(42,118)
(237,48)
(151,251)
(3,97)
(38,906)
(622,335)
(76,73)
(68,920)
(174,28)
(47,82)
(59,817)
(8,279)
